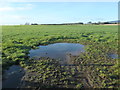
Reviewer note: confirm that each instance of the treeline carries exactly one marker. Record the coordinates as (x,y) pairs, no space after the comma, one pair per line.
(79,23)
(59,24)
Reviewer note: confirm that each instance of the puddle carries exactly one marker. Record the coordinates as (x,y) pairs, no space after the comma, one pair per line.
(113,56)
(12,77)
(61,51)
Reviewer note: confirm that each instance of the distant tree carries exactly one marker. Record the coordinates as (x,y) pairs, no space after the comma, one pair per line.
(34,24)
(106,23)
(89,22)
(80,23)
(95,23)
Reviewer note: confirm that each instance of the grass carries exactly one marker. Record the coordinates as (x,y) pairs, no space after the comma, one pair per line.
(100,40)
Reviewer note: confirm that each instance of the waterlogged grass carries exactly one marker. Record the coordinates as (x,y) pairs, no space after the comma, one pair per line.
(100,71)
(48,73)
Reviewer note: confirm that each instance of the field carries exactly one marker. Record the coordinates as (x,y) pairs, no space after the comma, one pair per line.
(93,67)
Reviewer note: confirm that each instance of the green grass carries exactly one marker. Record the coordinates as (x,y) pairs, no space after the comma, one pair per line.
(99,40)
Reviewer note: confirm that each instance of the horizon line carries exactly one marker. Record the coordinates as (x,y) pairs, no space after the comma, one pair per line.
(62,23)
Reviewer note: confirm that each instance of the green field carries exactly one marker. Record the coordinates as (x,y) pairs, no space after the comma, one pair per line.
(100,70)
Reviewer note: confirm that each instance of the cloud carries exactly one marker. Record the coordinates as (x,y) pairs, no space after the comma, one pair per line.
(9,14)
(10,8)
(12,19)
(13,8)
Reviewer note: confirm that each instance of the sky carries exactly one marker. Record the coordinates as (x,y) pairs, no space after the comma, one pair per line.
(16,13)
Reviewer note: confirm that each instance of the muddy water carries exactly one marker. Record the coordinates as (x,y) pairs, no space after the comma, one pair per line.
(12,77)
(60,51)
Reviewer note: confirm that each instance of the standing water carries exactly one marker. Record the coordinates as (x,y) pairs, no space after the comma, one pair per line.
(61,51)
(113,56)
(12,77)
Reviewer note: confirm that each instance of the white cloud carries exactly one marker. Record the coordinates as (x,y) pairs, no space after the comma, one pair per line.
(9,15)
(12,19)
(8,8)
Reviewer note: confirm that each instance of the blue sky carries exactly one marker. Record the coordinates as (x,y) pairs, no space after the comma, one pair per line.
(58,12)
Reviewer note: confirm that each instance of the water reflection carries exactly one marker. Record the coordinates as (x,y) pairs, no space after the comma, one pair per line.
(12,77)
(62,51)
